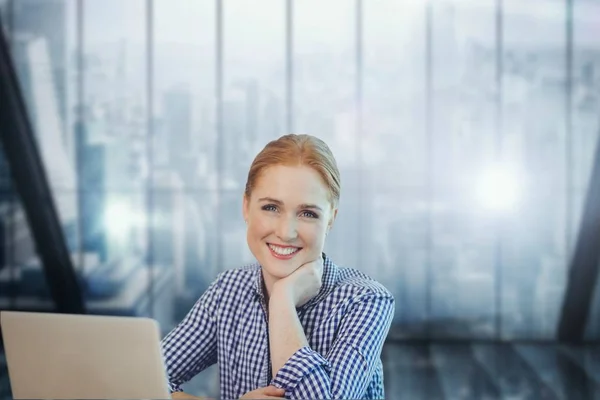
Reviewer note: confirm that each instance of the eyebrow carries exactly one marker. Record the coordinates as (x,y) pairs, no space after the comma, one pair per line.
(280,203)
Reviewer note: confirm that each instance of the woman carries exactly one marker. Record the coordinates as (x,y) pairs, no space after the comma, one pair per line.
(294,324)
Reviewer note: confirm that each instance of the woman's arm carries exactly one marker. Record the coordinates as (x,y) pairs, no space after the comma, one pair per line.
(191,346)
(286,334)
(346,370)
(285,330)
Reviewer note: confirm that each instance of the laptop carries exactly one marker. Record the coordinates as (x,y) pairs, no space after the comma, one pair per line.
(65,356)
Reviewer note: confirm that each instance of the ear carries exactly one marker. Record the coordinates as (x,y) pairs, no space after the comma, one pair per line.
(245,207)
(332,219)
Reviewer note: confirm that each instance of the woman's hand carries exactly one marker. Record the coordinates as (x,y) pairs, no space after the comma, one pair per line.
(301,285)
(269,392)
(185,396)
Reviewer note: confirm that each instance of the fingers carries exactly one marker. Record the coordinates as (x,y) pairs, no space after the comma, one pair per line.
(269,392)
(316,265)
(274,391)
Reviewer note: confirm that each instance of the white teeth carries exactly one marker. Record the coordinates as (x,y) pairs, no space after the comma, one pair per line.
(283,251)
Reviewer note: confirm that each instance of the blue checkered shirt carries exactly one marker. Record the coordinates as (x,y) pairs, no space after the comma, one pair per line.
(345,325)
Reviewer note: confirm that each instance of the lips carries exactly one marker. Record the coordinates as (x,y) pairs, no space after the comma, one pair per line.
(283,252)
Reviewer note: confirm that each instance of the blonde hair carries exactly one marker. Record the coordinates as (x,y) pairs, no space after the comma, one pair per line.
(298,150)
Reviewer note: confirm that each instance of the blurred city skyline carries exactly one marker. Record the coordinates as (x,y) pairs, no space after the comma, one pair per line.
(465,155)
(417,149)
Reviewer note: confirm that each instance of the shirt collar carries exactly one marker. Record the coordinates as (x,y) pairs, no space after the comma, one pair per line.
(327,281)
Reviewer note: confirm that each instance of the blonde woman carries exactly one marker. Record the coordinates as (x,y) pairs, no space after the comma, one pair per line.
(293,325)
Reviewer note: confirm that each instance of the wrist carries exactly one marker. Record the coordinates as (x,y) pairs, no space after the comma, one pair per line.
(281,295)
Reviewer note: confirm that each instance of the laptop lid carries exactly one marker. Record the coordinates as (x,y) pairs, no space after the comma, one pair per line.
(64,356)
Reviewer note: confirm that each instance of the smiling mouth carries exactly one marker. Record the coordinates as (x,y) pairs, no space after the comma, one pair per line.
(283,252)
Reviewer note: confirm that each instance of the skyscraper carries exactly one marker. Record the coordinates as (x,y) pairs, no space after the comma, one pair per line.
(34,64)
(46,19)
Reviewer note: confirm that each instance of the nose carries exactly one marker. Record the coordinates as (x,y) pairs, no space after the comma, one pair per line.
(286,229)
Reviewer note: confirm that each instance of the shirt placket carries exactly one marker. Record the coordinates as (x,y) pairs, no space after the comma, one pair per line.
(267,370)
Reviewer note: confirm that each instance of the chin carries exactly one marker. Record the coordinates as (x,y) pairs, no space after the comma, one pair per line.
(277,273)
(280,268)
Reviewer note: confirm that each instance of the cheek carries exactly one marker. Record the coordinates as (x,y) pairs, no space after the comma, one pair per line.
(258,229)
(312,235)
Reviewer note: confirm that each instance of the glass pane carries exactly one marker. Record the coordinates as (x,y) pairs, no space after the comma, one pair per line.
(18,254)
(41,47)
(117,279)
(325,75)
(394,94)
(113,142)
(534,141)
(592,331)
(586,124)
(398,247)
(184,93)
(463,140)
(342,242)
(253,84)
(324,99)
(185,246)
(167,254)
(184,249)
(586,97)
(22,280)
(234,245)
(5,14)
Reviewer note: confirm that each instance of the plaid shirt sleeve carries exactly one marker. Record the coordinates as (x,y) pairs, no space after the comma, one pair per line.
(191,346)
(347,369)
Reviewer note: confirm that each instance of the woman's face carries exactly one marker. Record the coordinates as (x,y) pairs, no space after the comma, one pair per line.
(288,215)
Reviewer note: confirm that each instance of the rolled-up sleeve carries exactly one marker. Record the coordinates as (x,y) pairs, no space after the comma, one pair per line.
(191,346)
(347,369)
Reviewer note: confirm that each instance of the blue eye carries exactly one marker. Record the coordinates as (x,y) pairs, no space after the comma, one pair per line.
(310,214)
(305,213)
(269,207)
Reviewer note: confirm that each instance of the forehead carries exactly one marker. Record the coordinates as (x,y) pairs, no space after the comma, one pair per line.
(292,184)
